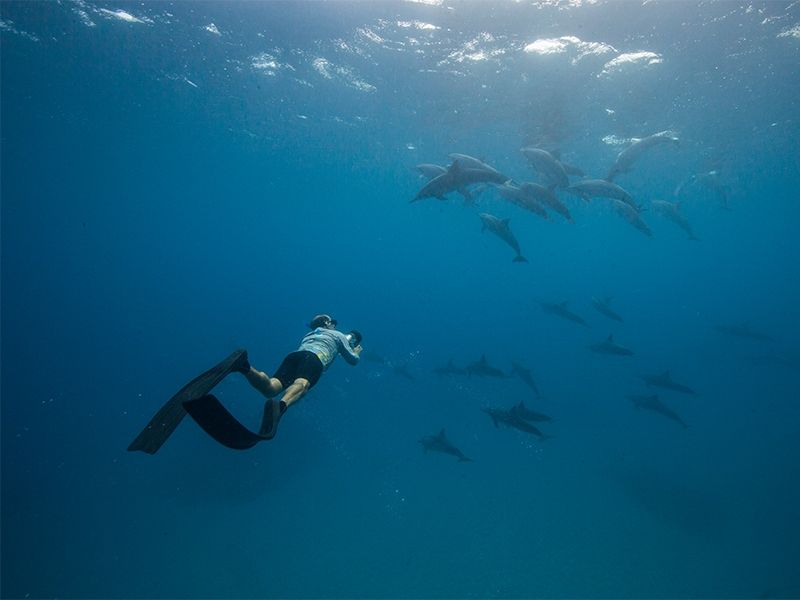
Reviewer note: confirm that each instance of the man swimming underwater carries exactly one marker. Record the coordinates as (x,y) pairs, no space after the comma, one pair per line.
(298,372)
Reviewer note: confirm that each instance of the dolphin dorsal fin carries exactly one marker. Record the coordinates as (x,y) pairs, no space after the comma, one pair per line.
(441,435)
(607,299)
(563,304)
(483,359)
(666,375)
(505,222)
(611,337)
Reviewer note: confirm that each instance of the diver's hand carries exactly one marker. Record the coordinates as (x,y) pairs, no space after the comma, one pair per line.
(357,350)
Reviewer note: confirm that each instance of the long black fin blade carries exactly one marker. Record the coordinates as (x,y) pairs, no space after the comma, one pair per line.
(169,416)
(220,424)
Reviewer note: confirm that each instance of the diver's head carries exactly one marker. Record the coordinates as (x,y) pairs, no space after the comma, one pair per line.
(354,338)
(323,321)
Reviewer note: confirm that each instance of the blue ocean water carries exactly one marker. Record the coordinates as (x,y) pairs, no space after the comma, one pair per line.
(181,179)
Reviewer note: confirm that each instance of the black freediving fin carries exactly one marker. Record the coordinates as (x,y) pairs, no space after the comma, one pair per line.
(171,414)
(220,424)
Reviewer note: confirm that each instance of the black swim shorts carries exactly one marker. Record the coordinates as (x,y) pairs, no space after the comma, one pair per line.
(303,364)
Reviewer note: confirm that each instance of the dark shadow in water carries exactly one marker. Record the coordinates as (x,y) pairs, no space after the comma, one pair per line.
(674,502)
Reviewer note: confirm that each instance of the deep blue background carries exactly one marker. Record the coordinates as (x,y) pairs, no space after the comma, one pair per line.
(164,202)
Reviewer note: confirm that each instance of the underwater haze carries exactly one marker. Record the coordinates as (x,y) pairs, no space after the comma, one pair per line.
(181,179)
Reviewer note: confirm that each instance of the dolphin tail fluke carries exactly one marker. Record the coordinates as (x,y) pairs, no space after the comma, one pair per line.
(465,459)
(520,259)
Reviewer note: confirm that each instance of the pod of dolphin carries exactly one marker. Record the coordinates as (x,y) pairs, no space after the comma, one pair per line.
(523,419)
(468,176)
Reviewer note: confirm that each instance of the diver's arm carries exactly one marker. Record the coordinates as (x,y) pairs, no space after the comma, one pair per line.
(348,353)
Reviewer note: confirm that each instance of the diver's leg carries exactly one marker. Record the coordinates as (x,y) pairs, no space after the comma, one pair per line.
(274,409)
(295,391)
(268,386)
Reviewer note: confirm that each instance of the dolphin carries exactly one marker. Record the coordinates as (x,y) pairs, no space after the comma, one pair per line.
(671,211)
(546,164)
(654,404)
(547,197)
(602,306)
(468,176)
(431,171)
(454,179)
(510,419)
(449,369)
(483,369)
(560,310)
(526,414)
(632,153)
(500,228)
(600,188)
(470,162)
(437,187)
(517,196)
(440,443)
(526,376)
(608,346)
(664,380)
(744,331)
(710,180)
(632,216)
(568,169)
